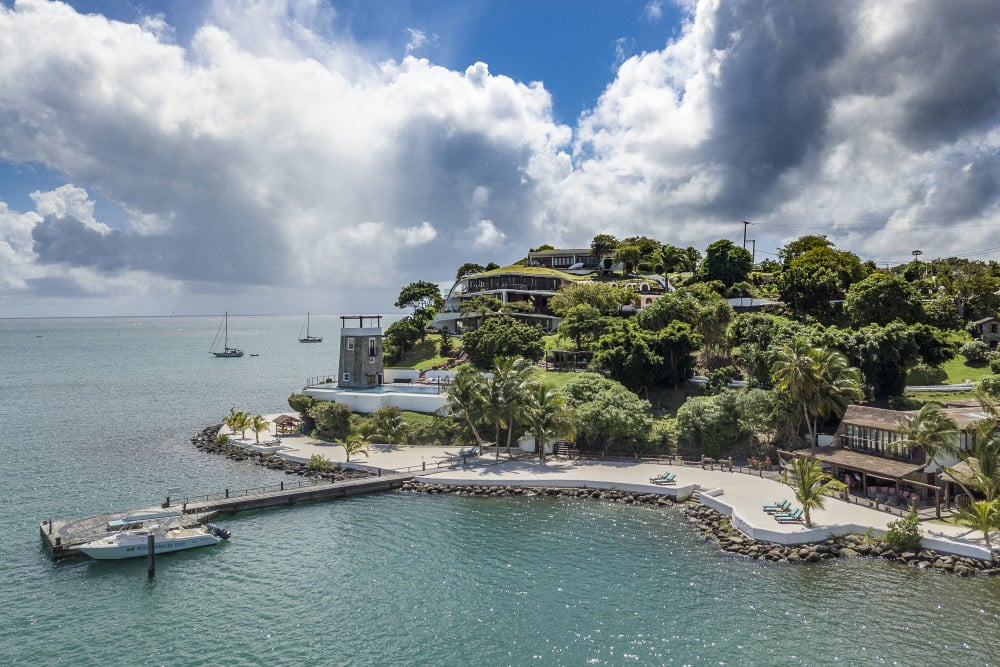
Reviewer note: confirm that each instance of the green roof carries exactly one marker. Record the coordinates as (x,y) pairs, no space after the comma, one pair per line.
(519,269)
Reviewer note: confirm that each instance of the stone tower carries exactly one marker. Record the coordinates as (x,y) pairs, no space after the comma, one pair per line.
(360,351)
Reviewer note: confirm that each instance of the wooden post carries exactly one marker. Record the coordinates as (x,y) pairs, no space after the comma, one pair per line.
(937,500)
(227,493)
(282,485)
(50,526)
(151,555)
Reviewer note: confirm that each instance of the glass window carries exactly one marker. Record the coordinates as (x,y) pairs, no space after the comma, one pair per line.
(371,347)
(350,344)
(347,377)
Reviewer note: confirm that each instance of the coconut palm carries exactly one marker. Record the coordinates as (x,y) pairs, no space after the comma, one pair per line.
(257,423)
(238,421)
(387,425)
(511,380)
(931,430)
(982,515)
(466,398)
(355,444)
(818,379)
(811,484)
(548,416)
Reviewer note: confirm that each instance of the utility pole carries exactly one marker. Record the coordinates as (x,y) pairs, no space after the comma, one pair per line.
(745,225)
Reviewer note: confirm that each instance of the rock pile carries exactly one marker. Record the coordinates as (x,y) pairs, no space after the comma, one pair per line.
(207,441)
(715,527)
(599,494)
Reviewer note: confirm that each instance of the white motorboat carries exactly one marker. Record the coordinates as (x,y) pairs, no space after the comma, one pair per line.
(133,543)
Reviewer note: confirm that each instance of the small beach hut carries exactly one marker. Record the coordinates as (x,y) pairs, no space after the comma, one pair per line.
(285,424)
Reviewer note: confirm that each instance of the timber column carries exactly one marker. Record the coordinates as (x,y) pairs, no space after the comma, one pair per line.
(360,351)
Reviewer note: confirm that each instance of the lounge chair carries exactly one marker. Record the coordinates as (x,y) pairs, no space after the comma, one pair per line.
(780,507)
(792,517)
(665,478)
(468,451)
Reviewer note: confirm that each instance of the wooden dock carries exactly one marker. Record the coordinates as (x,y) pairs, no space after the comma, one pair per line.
(63,536)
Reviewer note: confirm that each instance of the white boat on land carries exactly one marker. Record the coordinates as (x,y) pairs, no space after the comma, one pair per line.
(134,543)
(226,351)
(307,338)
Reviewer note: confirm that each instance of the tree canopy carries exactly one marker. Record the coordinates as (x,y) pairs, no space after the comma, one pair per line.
(726,262)
(503,336)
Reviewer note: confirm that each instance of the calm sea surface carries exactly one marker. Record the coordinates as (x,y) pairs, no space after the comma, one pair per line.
(95,415)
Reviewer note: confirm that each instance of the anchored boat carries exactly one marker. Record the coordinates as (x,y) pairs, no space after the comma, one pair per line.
(226,351)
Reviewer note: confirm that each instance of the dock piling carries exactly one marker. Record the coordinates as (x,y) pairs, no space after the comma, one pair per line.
(150,556)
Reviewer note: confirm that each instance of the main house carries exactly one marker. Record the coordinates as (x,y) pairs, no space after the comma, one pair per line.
(532,284)
(988,331)
(868,449)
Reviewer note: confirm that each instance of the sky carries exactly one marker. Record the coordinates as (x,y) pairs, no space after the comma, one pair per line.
(279,156)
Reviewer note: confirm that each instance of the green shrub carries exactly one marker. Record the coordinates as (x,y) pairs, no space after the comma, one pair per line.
(922,374)
(975,352)
(319,463)
(904,534)
(991,385)
(994,362)
(222,438)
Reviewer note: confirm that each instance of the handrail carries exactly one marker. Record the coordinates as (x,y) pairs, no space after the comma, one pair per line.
(228,493)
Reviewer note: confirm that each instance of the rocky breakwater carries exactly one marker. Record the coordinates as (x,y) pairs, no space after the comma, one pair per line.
(207,441)
(511,490)
(715,527)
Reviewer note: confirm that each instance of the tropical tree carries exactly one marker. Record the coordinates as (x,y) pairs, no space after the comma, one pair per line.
(355,444)
(238,421)
(387,425)
(818,379)
(930,430)
(727,262)
(603,245)
(582,323)
(257,424)
(982,515)
(548,416)
(503,336)
(811,484)
(881,298)
(466,398)
(510,385)
(424,298)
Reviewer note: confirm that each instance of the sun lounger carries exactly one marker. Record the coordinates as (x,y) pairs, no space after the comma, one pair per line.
(792,517)
(663,478)
(778,508)
(468,451)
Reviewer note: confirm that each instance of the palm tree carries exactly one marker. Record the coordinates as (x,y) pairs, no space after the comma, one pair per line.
(930,430)
(238,421)
(257,424)
(819,379)
(387,425)
(982,515)
(466,398)
(511,380)
(811,484)
(548,416)
(355,444)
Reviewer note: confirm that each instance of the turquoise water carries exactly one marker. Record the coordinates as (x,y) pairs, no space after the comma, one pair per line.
(96,415)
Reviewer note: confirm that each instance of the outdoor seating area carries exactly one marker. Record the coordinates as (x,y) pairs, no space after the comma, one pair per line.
(775,508)
(468,451)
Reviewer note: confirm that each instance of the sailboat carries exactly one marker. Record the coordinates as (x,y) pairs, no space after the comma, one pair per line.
(307,338)
(226,351)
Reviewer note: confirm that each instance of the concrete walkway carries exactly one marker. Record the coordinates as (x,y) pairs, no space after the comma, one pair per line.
(739,496)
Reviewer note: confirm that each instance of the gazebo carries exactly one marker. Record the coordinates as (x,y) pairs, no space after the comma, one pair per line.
(286,424)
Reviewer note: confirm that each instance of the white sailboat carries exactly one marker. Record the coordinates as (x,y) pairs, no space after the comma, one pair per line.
(307,338)
(226,351)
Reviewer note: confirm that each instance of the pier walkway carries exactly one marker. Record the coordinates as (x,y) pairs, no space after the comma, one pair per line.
(62,537)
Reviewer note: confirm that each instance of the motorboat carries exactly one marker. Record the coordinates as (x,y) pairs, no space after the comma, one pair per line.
(136,519)
(134,543)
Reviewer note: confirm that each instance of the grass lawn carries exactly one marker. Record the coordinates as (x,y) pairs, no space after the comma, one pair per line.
(958,372)
(425,355)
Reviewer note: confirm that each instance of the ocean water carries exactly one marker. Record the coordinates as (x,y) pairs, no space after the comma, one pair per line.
(96,415)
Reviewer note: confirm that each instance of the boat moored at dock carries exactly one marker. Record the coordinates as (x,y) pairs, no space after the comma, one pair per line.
(134,543)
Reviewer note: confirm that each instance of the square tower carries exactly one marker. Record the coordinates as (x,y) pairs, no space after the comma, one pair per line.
(360,364)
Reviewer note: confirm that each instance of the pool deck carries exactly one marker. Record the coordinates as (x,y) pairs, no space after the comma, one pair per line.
(739,496)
